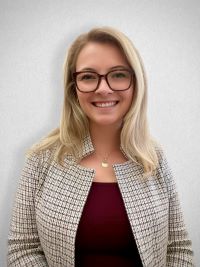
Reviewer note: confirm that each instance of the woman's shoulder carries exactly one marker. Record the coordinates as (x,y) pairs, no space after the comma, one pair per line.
(45,148)
(159,150)
(163,171)
(38,155)
(162,157)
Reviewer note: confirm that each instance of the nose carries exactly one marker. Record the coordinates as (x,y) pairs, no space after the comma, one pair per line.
(103,87)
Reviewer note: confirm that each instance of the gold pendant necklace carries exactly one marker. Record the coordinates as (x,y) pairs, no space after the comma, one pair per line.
(104,163)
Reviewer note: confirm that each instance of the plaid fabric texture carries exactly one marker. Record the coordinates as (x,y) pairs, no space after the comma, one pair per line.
(50,200)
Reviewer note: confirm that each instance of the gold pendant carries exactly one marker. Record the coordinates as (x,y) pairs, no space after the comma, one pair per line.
(104,164)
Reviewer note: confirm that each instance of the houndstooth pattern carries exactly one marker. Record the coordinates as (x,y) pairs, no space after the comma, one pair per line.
(50,200)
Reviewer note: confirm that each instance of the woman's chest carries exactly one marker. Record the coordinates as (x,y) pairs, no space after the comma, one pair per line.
(61,199)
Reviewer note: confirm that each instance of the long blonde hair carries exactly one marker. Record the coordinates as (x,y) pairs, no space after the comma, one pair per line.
(136,141)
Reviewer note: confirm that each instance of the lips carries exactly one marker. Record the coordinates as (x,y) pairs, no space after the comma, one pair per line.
(105,104)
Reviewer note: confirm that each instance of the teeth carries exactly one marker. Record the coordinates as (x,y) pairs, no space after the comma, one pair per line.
(105,104)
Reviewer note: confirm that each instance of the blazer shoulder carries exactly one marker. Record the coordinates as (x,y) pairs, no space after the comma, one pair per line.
(163,164)
(164,172)
(39,160)
(40,155)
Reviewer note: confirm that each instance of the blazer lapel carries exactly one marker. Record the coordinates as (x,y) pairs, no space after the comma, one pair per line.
(144,206)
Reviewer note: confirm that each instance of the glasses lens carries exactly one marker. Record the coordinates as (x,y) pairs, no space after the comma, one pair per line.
(87,81)
(119,79)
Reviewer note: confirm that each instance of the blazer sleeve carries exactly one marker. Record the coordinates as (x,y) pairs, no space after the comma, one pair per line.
(24,248)
(179,249)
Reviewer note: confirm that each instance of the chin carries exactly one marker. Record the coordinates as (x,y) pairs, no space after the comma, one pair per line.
(106,122)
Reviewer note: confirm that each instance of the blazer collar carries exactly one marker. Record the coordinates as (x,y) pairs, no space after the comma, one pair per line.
(87,147)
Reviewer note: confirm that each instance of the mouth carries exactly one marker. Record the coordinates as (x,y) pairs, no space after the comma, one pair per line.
(105,104)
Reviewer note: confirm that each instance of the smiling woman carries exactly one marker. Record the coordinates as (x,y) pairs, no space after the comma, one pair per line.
(104,101)
(98,190)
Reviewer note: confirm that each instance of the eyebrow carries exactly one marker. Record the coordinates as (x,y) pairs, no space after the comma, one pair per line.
(112,68)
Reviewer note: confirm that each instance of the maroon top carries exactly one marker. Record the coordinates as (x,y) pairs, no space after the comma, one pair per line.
(104,236)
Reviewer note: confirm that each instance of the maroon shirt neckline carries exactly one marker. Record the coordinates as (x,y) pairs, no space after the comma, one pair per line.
(105,182)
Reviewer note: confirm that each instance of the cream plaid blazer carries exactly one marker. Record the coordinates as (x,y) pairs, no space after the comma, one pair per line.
(50,200)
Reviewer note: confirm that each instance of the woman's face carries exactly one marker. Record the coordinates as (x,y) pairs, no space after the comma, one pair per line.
(103,106)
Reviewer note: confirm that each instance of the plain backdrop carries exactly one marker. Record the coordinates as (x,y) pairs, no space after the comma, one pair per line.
(34,37)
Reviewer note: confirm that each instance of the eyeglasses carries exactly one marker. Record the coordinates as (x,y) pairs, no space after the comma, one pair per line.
(117,80)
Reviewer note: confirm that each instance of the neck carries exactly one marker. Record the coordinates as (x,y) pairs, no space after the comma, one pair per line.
(105,139)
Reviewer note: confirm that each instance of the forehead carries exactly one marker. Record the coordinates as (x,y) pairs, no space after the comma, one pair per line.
(100,55)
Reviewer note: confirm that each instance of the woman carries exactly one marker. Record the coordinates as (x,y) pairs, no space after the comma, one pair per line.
(98,190)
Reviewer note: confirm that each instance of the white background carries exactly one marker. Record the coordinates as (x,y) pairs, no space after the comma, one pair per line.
(34,36)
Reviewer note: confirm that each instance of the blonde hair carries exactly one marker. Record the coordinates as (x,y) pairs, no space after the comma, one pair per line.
(136,141)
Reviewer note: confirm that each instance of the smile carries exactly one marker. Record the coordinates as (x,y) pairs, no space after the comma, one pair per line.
(105,104)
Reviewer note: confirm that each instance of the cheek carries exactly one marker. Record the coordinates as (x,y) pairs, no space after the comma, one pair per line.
(79,96)
(83,100)
(129,99)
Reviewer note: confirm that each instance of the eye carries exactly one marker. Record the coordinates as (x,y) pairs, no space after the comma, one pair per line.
(86,77)
(120,74)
